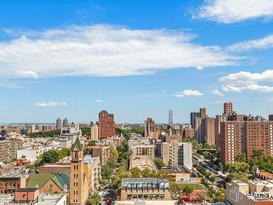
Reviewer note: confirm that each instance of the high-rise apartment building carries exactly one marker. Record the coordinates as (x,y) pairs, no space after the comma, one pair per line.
(270,117)
(106,124)
(209,127)
(194,115)
(177,153)
(58,123)
(143,149)
(170,117)
(228,108)
(149,126)
(244,137)
(203,112)
(94,132)
(218,120)
(65,122)
(9,148)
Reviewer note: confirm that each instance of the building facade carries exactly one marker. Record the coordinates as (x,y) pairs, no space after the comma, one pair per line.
(149,126)
(9,148)
(170,117)
(80,177)
(94,132)
(106,124)
(176,153)
(250,192)
(244,137)
(228,108)
(145,189)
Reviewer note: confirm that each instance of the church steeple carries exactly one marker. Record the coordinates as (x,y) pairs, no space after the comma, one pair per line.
(77,150)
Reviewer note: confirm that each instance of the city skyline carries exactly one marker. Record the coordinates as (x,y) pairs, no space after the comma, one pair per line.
(75,58)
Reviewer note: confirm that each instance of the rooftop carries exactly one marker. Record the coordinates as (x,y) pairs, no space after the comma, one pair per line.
(50,199)
(177,169)
(27,189)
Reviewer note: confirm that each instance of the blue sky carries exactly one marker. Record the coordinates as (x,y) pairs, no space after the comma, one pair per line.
(137,59)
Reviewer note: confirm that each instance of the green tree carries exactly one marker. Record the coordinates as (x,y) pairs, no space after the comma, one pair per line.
(146,172)
(106,171)
(62,153)
(86,131)
(94,199)
(50,156)
(169,164)
(51,133)
(92,143)
(241,157)
(187,190)
(135,172)
(220,166)
(212,179)
(159,163)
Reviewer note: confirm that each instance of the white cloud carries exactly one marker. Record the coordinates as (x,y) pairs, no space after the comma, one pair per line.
(237,82)
(98,101)
(50,104)
(188,93)
(217,92)
(232,11)
(26,73)
(103,50)
(262,43)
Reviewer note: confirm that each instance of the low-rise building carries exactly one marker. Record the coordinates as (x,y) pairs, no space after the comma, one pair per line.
(50,183)
(32,196)
(103,152)
(11,182)
(68,135)
(55,168)
(145,189)
(253,192)
(32,153)
(142,162)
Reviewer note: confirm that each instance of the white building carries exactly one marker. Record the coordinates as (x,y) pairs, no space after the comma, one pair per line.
(33,152)
(68,135)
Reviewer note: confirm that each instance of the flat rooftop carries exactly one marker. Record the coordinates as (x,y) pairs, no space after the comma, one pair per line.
(177,169)
(168,202)
(50,199)
(57,165)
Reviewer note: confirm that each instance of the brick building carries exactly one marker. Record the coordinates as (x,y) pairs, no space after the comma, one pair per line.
(103,152)
(149,127)
(106,124)
(244,137)
(10,183)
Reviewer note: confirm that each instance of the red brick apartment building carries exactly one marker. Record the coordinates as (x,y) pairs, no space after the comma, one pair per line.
(244,137)
(106,124)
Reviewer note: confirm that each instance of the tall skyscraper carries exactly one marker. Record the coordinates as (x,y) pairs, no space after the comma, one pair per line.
(106,124)
(170,117)
(194,115)
(203,113)
(58,123)
(65,122)
(228,108)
